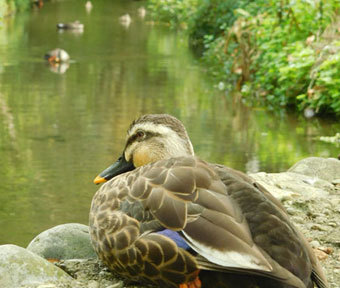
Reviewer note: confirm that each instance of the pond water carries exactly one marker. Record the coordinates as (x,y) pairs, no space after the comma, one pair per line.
(58,130)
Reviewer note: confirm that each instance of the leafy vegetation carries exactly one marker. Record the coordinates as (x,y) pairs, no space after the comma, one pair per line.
(282,53)
(8,7)
(173,11)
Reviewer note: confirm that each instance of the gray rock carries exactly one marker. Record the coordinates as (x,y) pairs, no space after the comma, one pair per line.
(93,284)
(315,244)
(117,285)
(289,186)
(324,168)
(90,272)
(67,241)
(20,267)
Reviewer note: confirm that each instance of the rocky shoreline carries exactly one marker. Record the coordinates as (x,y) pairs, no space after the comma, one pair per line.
(310,191)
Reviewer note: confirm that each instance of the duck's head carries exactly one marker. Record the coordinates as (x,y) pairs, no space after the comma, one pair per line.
(150,138)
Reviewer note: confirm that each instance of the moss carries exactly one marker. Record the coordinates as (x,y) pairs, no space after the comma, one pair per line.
(24,267)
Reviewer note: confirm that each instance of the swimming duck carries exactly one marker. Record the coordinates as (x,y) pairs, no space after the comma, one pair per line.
(167,218)
(141,12)
(57,56)
(125,20)
(88,6)
(76,25)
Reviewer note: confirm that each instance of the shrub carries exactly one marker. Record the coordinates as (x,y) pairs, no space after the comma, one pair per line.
(174,12)
(274,57)
(272,51)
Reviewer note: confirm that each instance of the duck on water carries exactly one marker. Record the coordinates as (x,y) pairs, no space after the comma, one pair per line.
(167,218)
(57,56)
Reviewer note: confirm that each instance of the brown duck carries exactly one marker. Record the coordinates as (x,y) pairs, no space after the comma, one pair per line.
(172,220)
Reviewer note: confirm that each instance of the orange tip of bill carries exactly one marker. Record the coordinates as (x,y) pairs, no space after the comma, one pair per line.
(99,179)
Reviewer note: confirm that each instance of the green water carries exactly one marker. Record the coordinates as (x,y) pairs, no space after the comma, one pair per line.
(57,131)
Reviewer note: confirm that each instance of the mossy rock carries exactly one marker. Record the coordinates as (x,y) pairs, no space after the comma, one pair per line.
(20,267)
(66,241)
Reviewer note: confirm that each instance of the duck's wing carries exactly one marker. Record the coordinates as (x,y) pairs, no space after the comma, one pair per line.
(186,195)
(242,177)
(229,175)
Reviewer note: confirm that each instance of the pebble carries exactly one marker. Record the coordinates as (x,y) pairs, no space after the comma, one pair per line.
(318,227)
(327,212)
(104,273)
(291,211)
(299,219)
(315,215)
(105,283)
(119,284)
(93,284)
(315,244)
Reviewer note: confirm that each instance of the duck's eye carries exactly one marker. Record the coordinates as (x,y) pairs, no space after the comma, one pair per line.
(140,135)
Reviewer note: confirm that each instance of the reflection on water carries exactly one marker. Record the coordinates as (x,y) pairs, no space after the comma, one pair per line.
(58,130)
(59,68)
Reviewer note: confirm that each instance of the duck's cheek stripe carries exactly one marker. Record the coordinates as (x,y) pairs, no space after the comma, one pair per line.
(180,242)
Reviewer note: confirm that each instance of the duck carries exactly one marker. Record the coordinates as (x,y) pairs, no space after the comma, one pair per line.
(141,12)
(165,217)
(76,25)
(125,20)
(88,6)
(38,3)
(57,56)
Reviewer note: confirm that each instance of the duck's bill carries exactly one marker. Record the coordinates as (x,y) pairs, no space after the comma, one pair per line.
(119,167)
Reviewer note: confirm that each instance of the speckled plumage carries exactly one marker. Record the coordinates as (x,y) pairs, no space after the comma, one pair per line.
(238,233)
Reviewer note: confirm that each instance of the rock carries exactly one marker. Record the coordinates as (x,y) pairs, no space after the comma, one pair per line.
(93,284)
(90,272)
(67,241)
(315,244)
(291,211)
(22,268)
(117,285)
(324,168)
(290,186)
